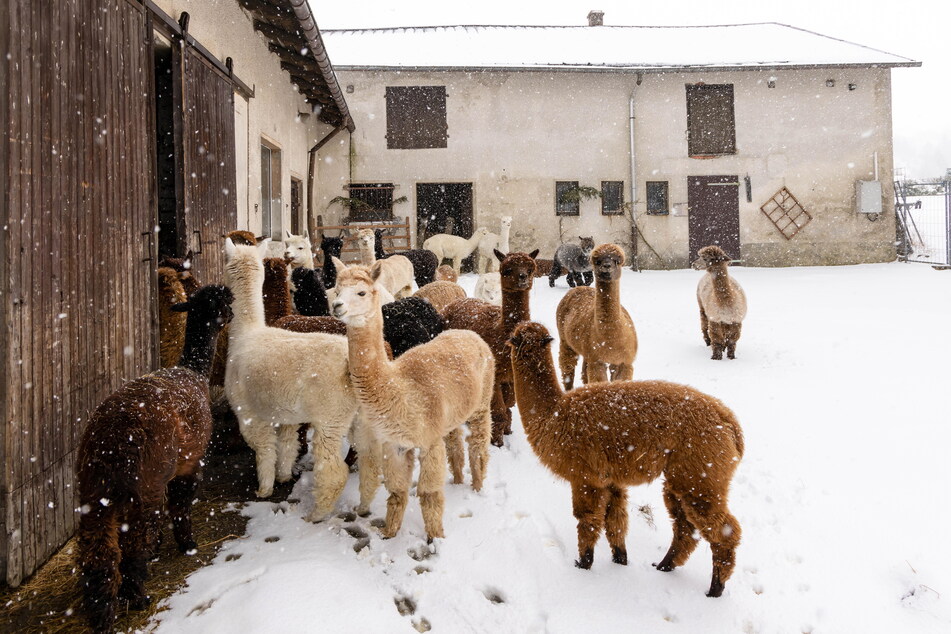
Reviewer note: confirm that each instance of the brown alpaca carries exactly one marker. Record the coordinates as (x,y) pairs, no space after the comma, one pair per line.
(605,437)
(722,302)
(441,294)
(418,401)
(593,324)
(445,273)
(171,291)
(240,236)
(185,269)
(495,325)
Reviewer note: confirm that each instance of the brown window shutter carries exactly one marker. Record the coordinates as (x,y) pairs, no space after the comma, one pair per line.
(711,123)
(416,117)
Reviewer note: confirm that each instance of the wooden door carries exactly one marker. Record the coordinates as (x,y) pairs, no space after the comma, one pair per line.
(443,208)
(297,197)
(713,213)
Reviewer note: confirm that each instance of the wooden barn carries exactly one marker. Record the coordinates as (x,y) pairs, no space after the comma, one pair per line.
(134,129)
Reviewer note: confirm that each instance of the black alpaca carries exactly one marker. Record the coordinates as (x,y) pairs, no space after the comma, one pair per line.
(143,446)
(409,322)
(330,247)
(310,294)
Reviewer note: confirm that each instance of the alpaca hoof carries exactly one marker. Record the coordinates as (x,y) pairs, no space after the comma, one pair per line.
(264,492)
(619,556)
(716,589)
(664,566)
(362,511)
(586,559)
(140,602)
(188,548)
(282,478)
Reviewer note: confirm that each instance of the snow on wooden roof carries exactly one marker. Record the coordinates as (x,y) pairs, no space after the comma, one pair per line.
(740,46)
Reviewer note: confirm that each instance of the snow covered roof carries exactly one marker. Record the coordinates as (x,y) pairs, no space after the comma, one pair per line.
(734,46)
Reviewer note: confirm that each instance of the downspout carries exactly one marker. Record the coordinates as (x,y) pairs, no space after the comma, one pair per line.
(634,232)
(311,159)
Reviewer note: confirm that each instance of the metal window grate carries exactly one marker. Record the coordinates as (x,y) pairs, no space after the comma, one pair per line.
(786,213)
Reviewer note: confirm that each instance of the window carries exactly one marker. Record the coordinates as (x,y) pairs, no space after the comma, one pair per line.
(271,191)
(567,202)
(371,202)
(612,198)
(657,198)
(711,126)
(416,117)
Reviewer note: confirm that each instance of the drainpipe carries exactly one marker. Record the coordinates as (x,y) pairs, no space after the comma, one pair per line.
(311,158)
(634,231)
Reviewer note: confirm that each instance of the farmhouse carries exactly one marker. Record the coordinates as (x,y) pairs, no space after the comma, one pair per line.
(135,129)
(773,142)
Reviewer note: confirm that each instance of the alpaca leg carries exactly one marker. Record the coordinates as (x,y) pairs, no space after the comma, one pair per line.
(615,523)
(397,477)
(480,431)
(597,372)
(287,449)
(99,556)
(555,272)
(717,340)
(732,336)
(181,494)
(588,504)
(683,542)
(370,458)
(508,397)
(572,281)
(704,326)
(134,543)
(588,277)
(431,486)
(330,471)
(262,438)
(622,372)
(501,416)
(567,360)
(456,454)
(715,523)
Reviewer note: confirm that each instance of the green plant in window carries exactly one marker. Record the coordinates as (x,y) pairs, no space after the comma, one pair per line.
(577,194)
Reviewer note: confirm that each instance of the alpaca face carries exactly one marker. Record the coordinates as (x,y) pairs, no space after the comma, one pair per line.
(517,271)
(331,247)
(607,263)
(366,239)
(297,250)
(356,299)
(587,243)
(710,256)
(506,222)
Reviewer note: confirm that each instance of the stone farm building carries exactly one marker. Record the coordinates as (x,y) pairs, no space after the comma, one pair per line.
(756,137)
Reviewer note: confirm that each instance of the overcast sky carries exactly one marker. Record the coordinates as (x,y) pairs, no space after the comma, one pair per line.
(919,29)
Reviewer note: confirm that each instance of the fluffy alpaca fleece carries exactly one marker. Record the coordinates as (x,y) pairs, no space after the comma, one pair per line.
(310,295)
(492,242)
(489,288)
(144,445)
(417,400)
(722,302)
(605,437)
(186,271)
(410,322)
(495,325)
(454,248)
(297,250)
(445,273)
(331,248)
(277,380)
(423,261)
(592,324)
(240,236)
(575,261)
(441,294)
(171,322)
(395,272)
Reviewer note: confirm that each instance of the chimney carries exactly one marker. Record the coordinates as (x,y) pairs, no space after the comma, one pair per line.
(596,18)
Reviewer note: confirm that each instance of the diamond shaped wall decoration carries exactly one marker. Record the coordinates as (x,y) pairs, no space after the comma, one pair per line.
(786,213)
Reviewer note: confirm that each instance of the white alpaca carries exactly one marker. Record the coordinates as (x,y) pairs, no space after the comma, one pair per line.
(396,272)
(455,248)
(489,288)
(491,243)
(297,250)
(277,380)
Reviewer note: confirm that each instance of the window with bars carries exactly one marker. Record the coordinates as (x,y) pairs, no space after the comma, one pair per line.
(657,198)
(711,123)
(565,203)
(371,202)
(612,198)
(416,117)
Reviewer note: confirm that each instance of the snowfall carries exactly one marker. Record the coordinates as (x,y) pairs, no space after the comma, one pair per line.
(841,386)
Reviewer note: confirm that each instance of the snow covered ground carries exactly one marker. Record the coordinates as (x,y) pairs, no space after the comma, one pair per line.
(841,386)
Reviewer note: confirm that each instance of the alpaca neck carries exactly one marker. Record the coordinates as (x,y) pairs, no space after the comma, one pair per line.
(199,346)
(537,393)
(504,239)
(277,302)
(378,248)
(367,257)
(607,305)
(721,281)
(473,242)
(372,373)
(248,306)
(515,309)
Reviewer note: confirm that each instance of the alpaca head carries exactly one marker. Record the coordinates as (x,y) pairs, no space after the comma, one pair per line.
(365,239)
(491,289)
(587,243)
(606,261)
(244,264)
(507,222)
(517,270)
(297,250)
(239,236)
(528,340)
(709,257)
(331,246)
(481,232)
(182,266)
(446,273)
(356,299)
(210,306)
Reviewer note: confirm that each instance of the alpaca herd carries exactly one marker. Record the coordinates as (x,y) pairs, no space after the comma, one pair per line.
(352,354)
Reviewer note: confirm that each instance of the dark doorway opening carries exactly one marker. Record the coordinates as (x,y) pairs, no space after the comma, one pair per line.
(297,197)
(714,213)
(444,208)
(171,220)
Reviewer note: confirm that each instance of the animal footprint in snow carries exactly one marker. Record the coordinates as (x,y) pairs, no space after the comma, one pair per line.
(233,557)
(360,544)
(378,522)
(465,514)
(421,552)
(420,570)
(422,625)
(272,539)
(355,531)
(493,595)
(347,516)
(405,605)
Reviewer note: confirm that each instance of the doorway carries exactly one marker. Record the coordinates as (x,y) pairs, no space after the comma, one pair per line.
(714,213)
(443,208)
(171,219)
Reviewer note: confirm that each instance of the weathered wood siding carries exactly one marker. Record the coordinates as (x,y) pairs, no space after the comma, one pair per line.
(77,293)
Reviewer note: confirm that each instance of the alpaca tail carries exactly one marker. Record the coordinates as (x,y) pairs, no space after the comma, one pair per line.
(731,423)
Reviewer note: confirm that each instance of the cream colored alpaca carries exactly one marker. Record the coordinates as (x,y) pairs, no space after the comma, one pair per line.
(396,272)
(593,324)
(489,288)
(298,251)
(492,242)
(277,380)
(455,248)
(416,401)
(441,294)
(722,302)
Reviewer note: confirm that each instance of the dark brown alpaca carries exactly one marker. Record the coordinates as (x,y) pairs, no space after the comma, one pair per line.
(605,437)
(186,271)
(144,446)
(495,325)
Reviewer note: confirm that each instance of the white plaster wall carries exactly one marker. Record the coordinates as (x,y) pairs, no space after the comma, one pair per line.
(513,134)
(226,30)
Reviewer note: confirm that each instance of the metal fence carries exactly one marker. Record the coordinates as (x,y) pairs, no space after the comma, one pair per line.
(924,222)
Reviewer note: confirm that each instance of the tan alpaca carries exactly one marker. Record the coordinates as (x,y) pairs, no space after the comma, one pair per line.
(446,273)
(416,401)
(722,302)
(441,294)
(396,272)
(605,437)
(592,324)
(171,323)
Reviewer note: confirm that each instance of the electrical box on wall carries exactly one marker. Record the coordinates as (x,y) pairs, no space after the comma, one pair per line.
(868,197)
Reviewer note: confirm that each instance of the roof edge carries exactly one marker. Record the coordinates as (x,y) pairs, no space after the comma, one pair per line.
(630,69)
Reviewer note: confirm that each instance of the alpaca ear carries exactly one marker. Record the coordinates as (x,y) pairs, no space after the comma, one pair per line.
(287,233)
(547,339)
(187,261)
(498,254)
(260,238)
(376,271)
(229,249)
(533,254)
(340,266)
(306,237)
(179,308)
(262,246)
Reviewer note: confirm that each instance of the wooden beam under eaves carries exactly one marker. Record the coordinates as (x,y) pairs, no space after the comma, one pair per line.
(284,38)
